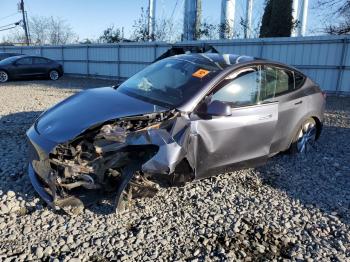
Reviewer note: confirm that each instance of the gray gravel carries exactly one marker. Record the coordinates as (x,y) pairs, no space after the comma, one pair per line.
(293,208)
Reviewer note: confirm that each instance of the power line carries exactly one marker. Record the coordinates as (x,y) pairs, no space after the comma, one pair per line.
(8,28)
(172,14)
(8,16)
(16,23)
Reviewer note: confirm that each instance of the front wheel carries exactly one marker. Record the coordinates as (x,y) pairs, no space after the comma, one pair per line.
(4,77)
(54,75)
(305,136)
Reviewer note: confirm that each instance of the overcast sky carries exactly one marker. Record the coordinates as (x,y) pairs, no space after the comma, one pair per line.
(88,18)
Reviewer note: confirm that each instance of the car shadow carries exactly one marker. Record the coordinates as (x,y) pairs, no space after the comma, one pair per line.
(321,177)
(13,155)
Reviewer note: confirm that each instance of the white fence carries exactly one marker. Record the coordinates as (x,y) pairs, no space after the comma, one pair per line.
(325,59)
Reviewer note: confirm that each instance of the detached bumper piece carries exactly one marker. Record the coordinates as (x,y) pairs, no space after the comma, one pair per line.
(128,158)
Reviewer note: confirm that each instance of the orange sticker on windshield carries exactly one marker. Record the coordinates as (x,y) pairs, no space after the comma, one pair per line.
(200,73)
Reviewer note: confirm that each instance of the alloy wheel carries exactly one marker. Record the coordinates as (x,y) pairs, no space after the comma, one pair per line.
(306,136)
(3,77)
(54,75)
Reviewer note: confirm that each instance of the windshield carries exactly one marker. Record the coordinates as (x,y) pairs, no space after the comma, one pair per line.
(9,60)
(169,82)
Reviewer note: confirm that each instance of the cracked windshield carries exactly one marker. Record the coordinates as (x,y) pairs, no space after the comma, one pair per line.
(170,82)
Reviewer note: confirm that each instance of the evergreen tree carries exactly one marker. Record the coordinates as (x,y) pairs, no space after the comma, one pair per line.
(277,20)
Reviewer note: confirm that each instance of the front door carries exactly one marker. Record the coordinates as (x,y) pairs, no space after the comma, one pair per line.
(23,67)
(243,137)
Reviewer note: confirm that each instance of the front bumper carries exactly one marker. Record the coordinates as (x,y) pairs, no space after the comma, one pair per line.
(38,166)
(38,186)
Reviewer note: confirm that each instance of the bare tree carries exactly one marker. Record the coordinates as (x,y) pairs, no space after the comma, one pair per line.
(60,32)
(46,31)
(39,28)
(111,35)
(340,8)
(165,29)
(208,30)
(140,28)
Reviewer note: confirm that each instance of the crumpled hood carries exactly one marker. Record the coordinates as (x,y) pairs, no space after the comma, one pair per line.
(74,115)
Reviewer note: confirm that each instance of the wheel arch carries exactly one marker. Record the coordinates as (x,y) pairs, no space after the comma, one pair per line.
(6,71)
(318,126)
(302,120)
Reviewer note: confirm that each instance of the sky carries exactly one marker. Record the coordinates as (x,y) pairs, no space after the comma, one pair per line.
(88,18)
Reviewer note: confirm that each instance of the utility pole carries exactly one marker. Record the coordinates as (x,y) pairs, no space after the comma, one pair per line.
(249,13)
(227,19)
(192,19)
(151,19)
(303,18)
(21,8)
(295,17)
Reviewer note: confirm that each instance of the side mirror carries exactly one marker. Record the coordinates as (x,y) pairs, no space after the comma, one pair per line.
(215,108)
(116,86)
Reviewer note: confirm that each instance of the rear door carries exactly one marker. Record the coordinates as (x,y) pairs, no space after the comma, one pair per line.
(40,65)
(242,138)
(292,105)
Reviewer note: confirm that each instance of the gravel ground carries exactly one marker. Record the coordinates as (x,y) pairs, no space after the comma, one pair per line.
(293,208)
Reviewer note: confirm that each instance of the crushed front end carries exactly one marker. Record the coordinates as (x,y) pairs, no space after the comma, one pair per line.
(129,157)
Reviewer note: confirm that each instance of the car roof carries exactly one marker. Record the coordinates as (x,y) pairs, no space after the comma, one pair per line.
(221,61)
(225,61)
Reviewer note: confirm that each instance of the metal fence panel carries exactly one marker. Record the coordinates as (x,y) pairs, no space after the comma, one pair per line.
(52,53)
(109,70)
(326,59)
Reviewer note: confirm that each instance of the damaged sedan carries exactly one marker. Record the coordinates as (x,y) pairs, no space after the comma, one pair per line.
(180,119)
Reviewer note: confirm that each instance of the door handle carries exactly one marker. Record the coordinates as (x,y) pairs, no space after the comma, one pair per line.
(265,117)
(298,103)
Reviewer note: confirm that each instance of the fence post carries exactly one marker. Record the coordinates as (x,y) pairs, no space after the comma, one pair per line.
(87,61)
(118,63)
(62,57)
(155,52)
(261,49)
(342,65)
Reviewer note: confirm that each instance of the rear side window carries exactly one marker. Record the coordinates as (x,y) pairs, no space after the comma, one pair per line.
(285,82)
(269,83)
(25,61)
(40,60)
(299,80)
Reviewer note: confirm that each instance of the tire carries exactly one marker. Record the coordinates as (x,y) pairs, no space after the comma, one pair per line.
(4,77)
(304,137)
(54,75)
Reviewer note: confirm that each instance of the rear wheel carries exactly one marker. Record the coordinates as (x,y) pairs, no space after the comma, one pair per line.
(4,77)
(54,75)
(305,136)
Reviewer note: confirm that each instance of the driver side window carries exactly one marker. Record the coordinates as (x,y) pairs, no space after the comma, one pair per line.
(25,61)
(240,90)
